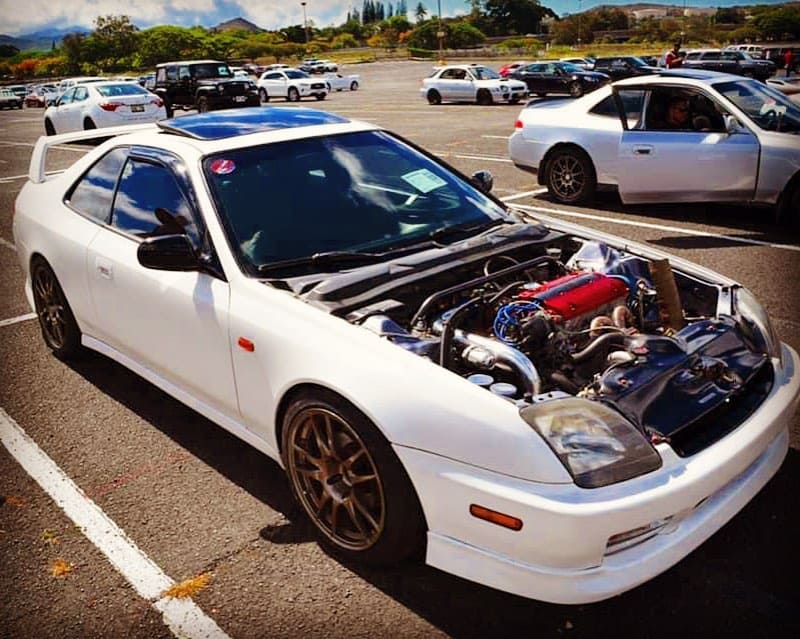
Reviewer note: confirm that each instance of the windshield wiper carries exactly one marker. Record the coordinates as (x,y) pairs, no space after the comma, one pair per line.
(328,258)
(443,232)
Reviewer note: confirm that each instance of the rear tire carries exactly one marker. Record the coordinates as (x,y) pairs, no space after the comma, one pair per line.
(349,481)
(354,86)
(56,321)
(293,95)
(49,129)
(571,177)
(434,97)
(202,104)
(88,124)
(788,211)
(168,107)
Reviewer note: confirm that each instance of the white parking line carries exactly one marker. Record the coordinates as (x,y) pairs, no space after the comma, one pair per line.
(496,137)
(517,196)
(487,158)
(17,319)
(183,616)
(658,227)
(61,146)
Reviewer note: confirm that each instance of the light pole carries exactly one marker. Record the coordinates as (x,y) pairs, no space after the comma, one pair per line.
(580,8)
(440,33)
(305,22)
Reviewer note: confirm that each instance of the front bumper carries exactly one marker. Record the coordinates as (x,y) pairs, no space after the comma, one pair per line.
(216,101)
(561,553)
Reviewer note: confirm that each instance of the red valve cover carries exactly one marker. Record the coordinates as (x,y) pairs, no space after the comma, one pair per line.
(577,294)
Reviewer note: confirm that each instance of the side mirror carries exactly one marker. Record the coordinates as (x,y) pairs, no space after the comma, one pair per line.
(168,253)
(483,180)
(732,125)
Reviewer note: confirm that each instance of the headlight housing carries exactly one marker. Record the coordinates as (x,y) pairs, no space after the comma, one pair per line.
(756,323)
(597,445)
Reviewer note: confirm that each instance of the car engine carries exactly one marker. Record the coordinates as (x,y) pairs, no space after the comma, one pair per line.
(601,324)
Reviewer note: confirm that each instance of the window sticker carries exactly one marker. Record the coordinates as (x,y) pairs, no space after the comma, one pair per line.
(223,167)
(423,180)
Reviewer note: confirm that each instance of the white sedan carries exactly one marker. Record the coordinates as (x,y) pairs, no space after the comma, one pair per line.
(339,82)
(687,136)
(471,83)
(102,104)
(290,84)
(536,407)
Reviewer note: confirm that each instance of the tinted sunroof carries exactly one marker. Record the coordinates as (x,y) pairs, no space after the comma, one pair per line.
(232,122)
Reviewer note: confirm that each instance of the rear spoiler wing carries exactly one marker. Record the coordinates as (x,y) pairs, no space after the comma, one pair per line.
(36,172)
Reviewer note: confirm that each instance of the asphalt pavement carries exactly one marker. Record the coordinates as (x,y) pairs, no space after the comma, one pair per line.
(214,516)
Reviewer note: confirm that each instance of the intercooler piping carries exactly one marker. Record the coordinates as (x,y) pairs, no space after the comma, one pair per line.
(508,355)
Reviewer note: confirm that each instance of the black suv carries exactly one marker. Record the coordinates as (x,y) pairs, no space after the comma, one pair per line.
(202,84)
(737,62)
(623,66)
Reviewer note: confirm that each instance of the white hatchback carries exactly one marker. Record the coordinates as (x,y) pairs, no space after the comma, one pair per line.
(102,104)
(471,83)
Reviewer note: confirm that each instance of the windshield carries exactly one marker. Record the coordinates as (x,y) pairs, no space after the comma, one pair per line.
(294,75)
(767,108)
(571,68)
(485,73)
(360,192)
(127,88)
(637,62)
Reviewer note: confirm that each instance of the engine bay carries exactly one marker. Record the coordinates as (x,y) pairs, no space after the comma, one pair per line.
(577,317)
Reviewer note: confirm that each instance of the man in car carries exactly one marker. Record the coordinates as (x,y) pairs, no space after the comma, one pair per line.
(674,57)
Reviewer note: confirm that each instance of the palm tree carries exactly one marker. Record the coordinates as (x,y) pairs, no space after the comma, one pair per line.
(421,12)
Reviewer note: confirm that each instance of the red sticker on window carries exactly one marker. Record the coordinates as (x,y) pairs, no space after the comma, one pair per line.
(223,167)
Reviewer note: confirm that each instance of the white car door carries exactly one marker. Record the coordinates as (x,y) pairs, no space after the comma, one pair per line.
(173,323)
(656,163)
(453,85)
(63,115)
(276,84)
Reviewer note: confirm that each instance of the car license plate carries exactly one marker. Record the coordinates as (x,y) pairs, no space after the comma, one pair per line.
(137,108)
(240,98)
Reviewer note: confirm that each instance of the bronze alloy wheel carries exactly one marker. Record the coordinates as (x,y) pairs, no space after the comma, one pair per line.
(59,329)
(335,478)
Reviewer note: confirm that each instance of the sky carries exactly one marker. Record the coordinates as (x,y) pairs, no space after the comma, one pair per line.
(267,14)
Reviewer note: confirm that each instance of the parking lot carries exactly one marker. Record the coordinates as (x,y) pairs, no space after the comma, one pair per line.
(197,502)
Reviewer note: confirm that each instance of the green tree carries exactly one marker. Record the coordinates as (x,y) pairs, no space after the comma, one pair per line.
(73,45)
(114,38)
(463,34)
(516,16)
(165,43)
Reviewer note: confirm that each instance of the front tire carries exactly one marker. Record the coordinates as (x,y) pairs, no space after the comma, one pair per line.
(571,176)
(56,321)
(575,89)
(293,95)
(49,129)
(349,481)
(202,104)
(320,96)
(88,124)
(263,95)
(484,98)
(354,86)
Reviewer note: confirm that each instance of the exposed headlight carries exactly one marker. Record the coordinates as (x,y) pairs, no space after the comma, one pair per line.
(595,443)
(756,323)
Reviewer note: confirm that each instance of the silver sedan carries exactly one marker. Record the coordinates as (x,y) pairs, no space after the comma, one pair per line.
(687,136)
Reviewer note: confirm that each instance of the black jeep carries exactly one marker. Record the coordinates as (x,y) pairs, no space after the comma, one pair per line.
(202,84)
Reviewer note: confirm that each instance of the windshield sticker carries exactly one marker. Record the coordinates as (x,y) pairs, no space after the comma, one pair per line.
(223,167)
(424,181)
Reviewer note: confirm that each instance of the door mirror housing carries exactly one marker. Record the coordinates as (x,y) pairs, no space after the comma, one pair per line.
(483,180)
(168,253)
(732,125)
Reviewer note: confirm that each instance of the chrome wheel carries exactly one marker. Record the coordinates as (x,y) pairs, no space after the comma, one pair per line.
(335,478)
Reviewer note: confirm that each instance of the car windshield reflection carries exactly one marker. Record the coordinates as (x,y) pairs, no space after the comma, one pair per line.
(769,109)
(358,192)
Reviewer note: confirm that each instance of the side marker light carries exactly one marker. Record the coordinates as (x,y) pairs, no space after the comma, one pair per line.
(494,517)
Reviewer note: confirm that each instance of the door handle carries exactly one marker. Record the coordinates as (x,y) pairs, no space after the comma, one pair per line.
(642,150)
(105,268)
